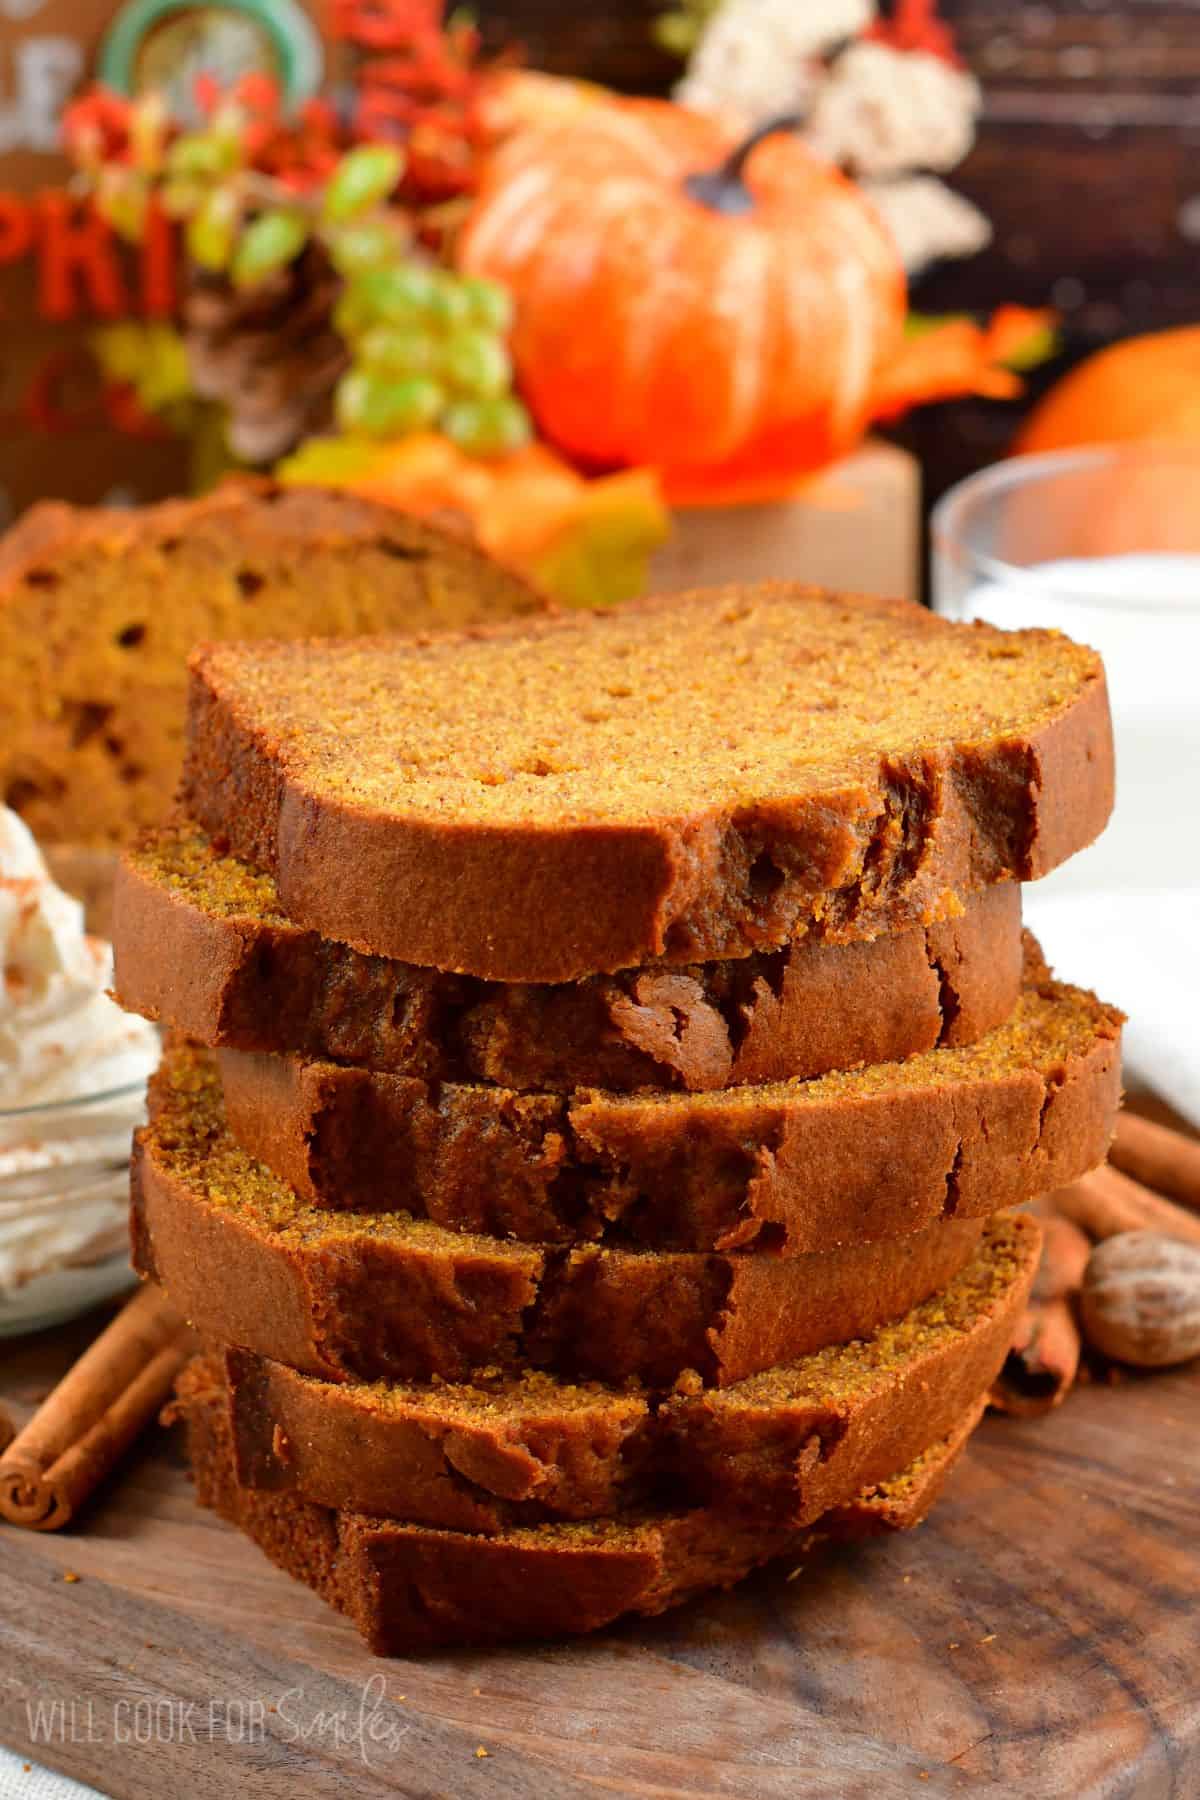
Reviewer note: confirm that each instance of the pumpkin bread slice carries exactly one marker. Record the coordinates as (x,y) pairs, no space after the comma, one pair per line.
(793,1166)
(508,1450)
(383,1295)
(99,608)
(903,1500)
(409,1588)
(202,943)
(694,777)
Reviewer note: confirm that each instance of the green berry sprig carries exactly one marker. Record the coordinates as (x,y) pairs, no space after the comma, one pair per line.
(428,353)
(426,347)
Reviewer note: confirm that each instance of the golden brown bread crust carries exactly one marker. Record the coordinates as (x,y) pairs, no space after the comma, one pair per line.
(100,606)
(202,945)
(794,1167)
(903,1500)
(345,1295)
(410,1587)
(261,515)
(476,804)
(785,1447)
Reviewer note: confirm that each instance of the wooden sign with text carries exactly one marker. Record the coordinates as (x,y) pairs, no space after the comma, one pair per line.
(62,272)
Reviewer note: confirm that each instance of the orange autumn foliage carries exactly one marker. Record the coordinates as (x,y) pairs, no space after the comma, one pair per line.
(586,542)
(956,356)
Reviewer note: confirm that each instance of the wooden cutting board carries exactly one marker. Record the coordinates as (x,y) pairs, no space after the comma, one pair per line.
(1040,1636)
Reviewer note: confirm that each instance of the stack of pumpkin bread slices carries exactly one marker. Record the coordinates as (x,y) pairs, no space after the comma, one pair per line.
(605,1061)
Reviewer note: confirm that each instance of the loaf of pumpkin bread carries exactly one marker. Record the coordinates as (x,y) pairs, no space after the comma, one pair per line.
(696,777)
(99,608)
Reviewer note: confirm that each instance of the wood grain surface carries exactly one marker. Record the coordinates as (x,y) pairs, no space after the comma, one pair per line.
(1039,1636)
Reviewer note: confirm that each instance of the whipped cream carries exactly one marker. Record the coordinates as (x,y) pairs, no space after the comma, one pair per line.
(72,1073)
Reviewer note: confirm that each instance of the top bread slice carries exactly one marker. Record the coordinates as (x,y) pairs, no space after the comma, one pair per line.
(692,777)
(99,608)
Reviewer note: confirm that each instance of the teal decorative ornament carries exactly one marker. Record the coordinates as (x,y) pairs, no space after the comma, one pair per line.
(166,44)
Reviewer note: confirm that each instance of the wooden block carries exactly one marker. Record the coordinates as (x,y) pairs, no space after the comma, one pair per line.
(854,526)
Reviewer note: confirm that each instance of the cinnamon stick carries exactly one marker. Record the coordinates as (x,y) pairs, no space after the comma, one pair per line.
(1043,1360)
(1042,1363)
(1065,1251)
(1106,1202)
(93,1415)
(1159,1157)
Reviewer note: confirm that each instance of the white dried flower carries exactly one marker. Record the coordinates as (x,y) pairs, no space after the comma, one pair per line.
(928,221)
(883,111)
(758,58)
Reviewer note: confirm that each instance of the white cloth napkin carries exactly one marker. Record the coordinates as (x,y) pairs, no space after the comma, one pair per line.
(35,1783)
(1141,950)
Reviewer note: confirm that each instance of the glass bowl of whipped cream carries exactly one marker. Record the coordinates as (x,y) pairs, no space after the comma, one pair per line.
(73,1072)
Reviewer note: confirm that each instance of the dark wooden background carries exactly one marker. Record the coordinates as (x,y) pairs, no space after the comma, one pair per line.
(1087,163)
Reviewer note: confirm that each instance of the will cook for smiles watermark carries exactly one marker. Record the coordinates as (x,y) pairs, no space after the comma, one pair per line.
(370,1727)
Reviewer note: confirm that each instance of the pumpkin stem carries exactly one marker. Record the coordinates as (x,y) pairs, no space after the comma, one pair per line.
(724,189)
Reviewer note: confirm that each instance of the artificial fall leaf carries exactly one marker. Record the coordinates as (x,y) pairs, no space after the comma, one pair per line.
(151,359)
(945,359)
(587,542)
(599,554)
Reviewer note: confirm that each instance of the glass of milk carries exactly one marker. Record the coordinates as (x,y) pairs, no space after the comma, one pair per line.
(1103,544)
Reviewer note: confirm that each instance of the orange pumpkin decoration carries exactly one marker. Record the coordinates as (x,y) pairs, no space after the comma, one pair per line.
(1141,388)
(719,313)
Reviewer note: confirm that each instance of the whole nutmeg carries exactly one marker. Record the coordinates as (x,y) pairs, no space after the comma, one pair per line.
(1140,1301)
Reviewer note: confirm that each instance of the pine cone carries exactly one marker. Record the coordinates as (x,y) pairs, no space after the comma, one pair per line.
(271,355)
